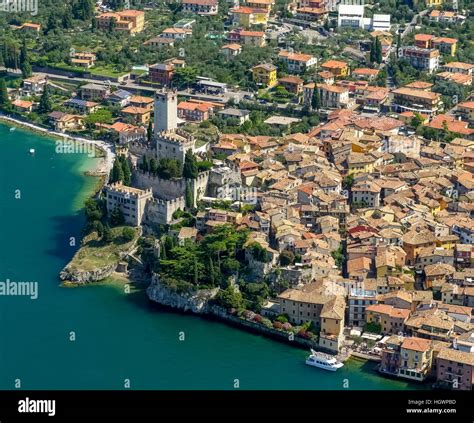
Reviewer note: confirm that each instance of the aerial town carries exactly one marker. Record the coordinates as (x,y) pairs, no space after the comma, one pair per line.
(303,168)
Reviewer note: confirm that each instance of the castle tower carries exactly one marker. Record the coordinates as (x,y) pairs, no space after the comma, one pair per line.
(166,111)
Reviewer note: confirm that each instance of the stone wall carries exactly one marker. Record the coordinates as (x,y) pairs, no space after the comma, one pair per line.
(160,212)
(170,189)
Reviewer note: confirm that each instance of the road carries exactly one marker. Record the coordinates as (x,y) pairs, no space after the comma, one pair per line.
(139,89)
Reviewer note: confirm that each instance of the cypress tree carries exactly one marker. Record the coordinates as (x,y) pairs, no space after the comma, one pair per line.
(117,172)
(45,105)
(127,174)
(315,100)
(145,166)
(190,169)
(149,132)
(189,197)
(25,65)
(5,103)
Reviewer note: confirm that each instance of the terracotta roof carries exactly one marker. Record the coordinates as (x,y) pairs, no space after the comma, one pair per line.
(423,37)
(456,356)
(416,344)
(334,64)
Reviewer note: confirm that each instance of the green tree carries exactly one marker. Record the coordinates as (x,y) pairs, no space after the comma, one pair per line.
(117,174)
(286,258)
(25,65)
(127,173)
(416,120)
(230,298)
(149,132)
(5,103)
(144,166)
(315,100)
(189,197)
(93,210)
(190,168)
(45,104)
(116,217)
(128,233)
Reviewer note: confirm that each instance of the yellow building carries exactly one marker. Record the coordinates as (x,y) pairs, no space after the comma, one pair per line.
(416,358)
(337,68)
(434,3)
(445,45)
(414,241)
(248,16)
(360,163)
(265,75)
(332,324)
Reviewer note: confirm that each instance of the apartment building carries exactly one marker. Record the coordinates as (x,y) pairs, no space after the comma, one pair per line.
(129,21)
(425,59)
(297,62)
(415,358)
(333,97)
(409,100)
(201,7)
(390,319)
(455,369)
(194,112)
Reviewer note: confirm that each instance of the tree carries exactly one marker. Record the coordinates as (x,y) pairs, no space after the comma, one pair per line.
(117,174)
(83,9)
(189,196)
(128,233)
(378,50)
(149,132)
(144,166)
(116,217)
(230,298)
(5,103)
(286,258)
(107,236)
(24,61)
(127,174)
(45,104)
(315,100)
(416,120)
(99,116)
(190,168)
(93,210)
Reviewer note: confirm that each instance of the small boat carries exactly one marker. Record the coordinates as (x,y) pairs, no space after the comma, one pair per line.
(323,361)
(32,151)
(12,129)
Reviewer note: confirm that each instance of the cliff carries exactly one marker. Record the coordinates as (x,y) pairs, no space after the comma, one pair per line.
(85,276)
(196,301)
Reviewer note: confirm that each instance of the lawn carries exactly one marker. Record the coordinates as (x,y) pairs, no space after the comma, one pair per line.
(97,254)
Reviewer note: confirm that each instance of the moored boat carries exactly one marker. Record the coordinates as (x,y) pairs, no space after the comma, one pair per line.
(323,361)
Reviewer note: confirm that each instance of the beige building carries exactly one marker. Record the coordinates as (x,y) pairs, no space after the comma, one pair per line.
(131,201)
(333,97)
(389,318)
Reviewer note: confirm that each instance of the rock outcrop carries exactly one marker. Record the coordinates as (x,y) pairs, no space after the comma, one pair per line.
(196,301)
(83,277)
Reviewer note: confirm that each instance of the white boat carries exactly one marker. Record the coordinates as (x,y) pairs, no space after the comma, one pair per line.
(323,361)
(32,151)
(12,129)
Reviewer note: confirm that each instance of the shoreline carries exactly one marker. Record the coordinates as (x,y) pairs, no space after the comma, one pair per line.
(105,160)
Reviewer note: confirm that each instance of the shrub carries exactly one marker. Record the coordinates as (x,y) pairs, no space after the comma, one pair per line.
(277,325)
(128,234)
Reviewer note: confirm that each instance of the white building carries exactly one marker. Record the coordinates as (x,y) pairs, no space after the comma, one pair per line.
(380,23)
(350,16)
(131,201)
